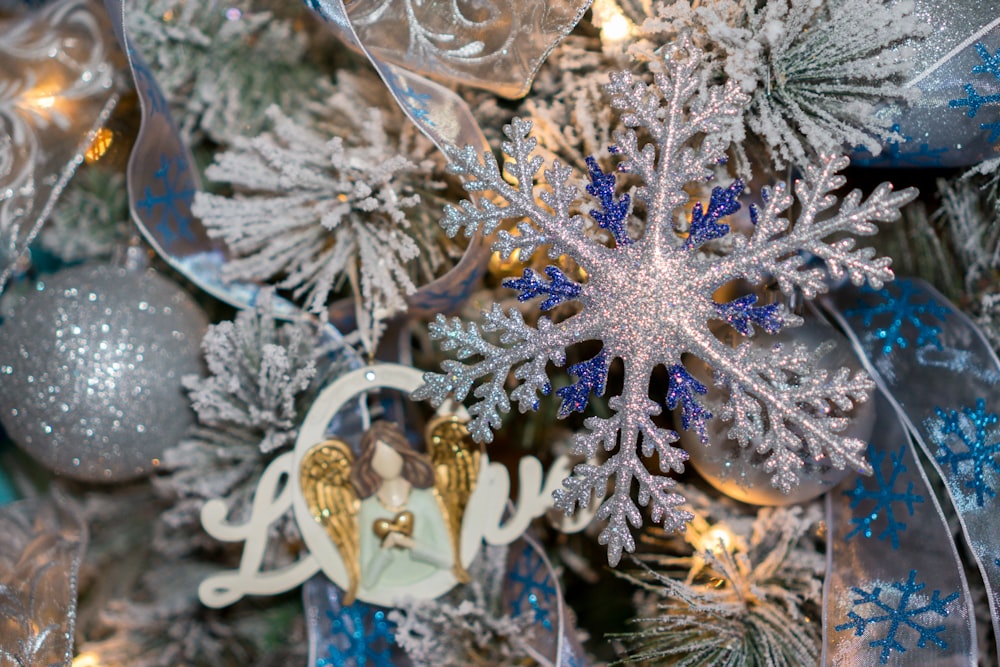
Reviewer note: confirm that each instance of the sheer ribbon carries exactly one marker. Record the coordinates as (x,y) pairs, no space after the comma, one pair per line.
(940,384)
(40,554)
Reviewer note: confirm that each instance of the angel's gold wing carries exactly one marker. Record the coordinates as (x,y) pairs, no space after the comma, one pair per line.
(333,502)
(456,461)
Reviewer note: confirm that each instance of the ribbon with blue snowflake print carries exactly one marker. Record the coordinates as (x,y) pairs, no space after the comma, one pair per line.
(942,379)
(162,181)
(362,635)
(895,592)
(955,122)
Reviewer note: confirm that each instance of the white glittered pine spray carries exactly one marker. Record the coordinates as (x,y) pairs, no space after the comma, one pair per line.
(649,300)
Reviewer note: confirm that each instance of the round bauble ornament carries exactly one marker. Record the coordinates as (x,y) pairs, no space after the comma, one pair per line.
(91,363)
(956,120)
(739,472)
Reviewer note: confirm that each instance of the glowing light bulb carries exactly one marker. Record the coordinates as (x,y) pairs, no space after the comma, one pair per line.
(718,539)
(87,659)
(617,29)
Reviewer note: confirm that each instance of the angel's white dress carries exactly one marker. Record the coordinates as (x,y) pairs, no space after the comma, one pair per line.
(396,567)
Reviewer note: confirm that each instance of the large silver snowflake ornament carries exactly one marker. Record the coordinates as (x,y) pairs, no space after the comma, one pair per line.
(649,300)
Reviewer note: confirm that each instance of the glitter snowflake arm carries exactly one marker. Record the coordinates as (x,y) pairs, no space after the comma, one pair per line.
(790,410)
(776,246)
(549,220)
(522,349)
(632,417)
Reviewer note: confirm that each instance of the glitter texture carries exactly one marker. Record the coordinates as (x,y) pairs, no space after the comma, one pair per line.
(973,465)
(882,490)
(650,301)
(897,305)
(905,614)
(90,371)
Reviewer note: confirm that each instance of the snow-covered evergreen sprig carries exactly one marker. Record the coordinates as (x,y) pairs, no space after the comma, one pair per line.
(741,598)
(319,205)
(820,73)
(262,374)
(650,301)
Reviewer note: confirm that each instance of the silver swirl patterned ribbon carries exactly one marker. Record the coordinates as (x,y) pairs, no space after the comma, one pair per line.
(361,634)
(943,380)
(56,90)
(40,554)
(162,180)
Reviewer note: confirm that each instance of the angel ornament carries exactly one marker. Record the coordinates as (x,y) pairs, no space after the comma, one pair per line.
(395,515)
(382,520)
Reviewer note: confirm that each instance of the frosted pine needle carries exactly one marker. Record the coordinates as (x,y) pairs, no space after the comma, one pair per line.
(649,300)
(817,71)
(338,201)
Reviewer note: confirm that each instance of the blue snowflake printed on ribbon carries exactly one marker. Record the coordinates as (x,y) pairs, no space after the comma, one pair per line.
(896,607)
(169,206)
(360,636)
(901,310)
(900,153)
(534,588)
(973,101)
(881,489)
(972,462)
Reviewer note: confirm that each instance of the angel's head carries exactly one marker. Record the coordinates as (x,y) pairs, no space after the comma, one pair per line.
(387,454)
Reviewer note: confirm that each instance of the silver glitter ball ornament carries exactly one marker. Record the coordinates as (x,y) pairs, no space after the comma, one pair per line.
(91,364)
(739,472)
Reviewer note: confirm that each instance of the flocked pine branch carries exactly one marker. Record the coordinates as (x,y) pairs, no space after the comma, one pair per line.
(220,65)
(261,376)
(468,626)
(740,599)
(649,300)
(349,198)
(819,72)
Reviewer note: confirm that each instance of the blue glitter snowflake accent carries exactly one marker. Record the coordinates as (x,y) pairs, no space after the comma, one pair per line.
(536,591)
(883,493)
(972,427)
(705,225)
(895,618)
(741,315)
(613,212)
(682,391)
(903,310)
(169,208)
(973,100)
(559,288)
(361,636)
(593,375)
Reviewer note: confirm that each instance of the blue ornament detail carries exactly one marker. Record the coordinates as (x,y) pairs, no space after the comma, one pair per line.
(536,590)
(613,212)
(994,129)
(903,310)
(593,375)
(896,617)
(415,103)
(682,390)
(982,444)
(893,153)
(741,315)
(991,63)
(172,204)
(973,100)
(361,636)
(705,225)
(559,288)
(883,493)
